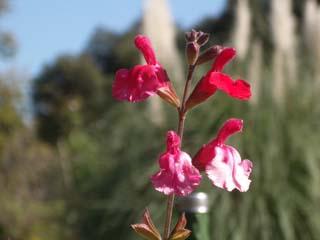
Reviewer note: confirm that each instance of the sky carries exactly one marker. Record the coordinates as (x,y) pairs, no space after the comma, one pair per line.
(46,29)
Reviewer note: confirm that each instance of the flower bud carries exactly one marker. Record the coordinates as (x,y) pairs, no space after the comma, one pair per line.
(209,54)
(191,36)
(192,52)
(203,38)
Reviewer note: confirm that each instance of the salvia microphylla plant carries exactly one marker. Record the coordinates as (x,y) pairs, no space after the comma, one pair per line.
(179,174)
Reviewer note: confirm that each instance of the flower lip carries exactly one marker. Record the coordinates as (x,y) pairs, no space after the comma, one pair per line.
(238,89)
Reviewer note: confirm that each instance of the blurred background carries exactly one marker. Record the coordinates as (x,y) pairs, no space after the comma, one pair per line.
(75,164)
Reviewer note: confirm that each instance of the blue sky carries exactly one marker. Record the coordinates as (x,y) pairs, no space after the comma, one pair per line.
(45,29)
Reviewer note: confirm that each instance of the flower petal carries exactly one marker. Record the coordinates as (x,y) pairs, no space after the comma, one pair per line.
(173,142)
(177,174)
(230,127)
(225,56)
(180,178)
(203,90)
(142,81)
(227,171)
(203,157)
(120,88)
(239,89)
(241,175)
(143,43)
(138,83)
(219,170)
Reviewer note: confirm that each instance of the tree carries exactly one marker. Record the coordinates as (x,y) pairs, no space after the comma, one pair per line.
(10,119)
(68,93)
(100,48)
(31,184)
(111,51)
(8,43)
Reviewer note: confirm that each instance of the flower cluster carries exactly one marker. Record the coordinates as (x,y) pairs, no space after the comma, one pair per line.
(179,173)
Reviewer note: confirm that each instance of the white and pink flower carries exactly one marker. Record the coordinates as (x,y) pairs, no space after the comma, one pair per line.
(222,163)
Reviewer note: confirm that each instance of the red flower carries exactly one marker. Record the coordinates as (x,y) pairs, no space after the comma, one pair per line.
(142,81)
(222,163)
(215,80)
(177,174)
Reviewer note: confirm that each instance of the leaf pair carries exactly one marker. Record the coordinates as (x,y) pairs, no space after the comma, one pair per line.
(148,230)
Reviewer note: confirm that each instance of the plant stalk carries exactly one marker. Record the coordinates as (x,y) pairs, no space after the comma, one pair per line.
(182,118)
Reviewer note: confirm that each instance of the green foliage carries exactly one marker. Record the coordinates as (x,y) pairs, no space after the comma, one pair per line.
(10,119)
(201,227)
(110,172)
(30,201)
(111,51)
(68,93)
(101,47)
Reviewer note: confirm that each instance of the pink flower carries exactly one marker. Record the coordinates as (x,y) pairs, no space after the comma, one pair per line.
(222,163)
(177,174)
(215,80)
(142,81)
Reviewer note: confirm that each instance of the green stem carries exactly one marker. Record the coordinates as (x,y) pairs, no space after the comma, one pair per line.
(167,226)
(182,118)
